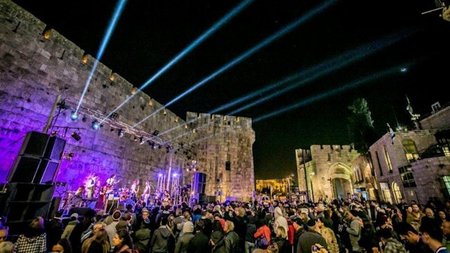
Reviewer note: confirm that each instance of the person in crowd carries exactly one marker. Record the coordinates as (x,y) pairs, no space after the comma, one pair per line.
(308,239)
(98,242)
(71,225)
(280,244)
(62,246)
(446,234)
(6,247)
(187,233)
(142,228)
(111,227)
(251,229)
(442,216)
(34,240)
(432,237)
(414,217)
(54,229)
(4,231)
(412,239)
(429,219)
(389,243)
(218,233)
(160,239)
(262,235)
(240,221)
(230,241)
(200,242)
(122,242)
(329,236)
(280,220)
(354,229)
(82,230)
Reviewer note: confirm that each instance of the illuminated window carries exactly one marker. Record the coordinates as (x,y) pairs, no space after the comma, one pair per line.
(397,193)
(446,151)
(446,180)
(388,159)
(410,150)
(407,176)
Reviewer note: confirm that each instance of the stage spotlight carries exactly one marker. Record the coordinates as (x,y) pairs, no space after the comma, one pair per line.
(74,116)
(95,125)
(76,136)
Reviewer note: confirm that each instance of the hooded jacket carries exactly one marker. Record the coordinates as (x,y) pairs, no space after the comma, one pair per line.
(160,239)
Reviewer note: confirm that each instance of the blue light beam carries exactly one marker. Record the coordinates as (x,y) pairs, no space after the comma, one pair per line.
(328,67)
(183,53)
(119,8)
(245,55)
(310,100)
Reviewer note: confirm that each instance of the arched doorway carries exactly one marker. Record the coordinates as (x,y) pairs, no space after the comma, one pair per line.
(341,181)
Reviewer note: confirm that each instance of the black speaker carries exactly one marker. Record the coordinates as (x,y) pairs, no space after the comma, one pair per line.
(46,172)
(55,148)
(82,211)
(199,183)
(227,165)
(54,208)
(25,168)
(35,144)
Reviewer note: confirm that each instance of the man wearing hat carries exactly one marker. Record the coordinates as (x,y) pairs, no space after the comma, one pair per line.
(143,230)
(70,226)
(111,228)
(310,238)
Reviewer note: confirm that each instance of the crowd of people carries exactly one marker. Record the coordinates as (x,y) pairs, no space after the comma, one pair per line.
(242,227)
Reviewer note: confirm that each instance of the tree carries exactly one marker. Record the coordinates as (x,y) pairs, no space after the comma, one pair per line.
(362,131)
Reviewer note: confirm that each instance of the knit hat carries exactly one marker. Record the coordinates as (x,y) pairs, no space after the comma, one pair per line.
(116,215)
(311,222)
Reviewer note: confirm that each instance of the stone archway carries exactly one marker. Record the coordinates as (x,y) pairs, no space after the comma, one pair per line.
(341,180)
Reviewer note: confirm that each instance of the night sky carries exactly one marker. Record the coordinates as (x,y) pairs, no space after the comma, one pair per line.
(379,35)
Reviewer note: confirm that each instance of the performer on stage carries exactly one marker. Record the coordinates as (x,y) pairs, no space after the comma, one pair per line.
(90,185)
(146,193)
(134,189)
(111,181)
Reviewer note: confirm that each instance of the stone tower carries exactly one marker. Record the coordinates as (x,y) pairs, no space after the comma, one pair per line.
(224,151)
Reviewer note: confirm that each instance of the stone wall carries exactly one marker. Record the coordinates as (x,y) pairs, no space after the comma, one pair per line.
(225,154)
(327,159)
(36,66)
(439,119)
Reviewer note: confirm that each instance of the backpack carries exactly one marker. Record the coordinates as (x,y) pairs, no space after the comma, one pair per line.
(261,242)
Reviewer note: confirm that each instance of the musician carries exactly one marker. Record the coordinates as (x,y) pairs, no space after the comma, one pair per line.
(146,192)
(80,192)
(90,184)
(111,181)
(134,189)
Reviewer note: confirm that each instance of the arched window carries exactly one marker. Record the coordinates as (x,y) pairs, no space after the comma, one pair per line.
(397,193)
(409,146)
